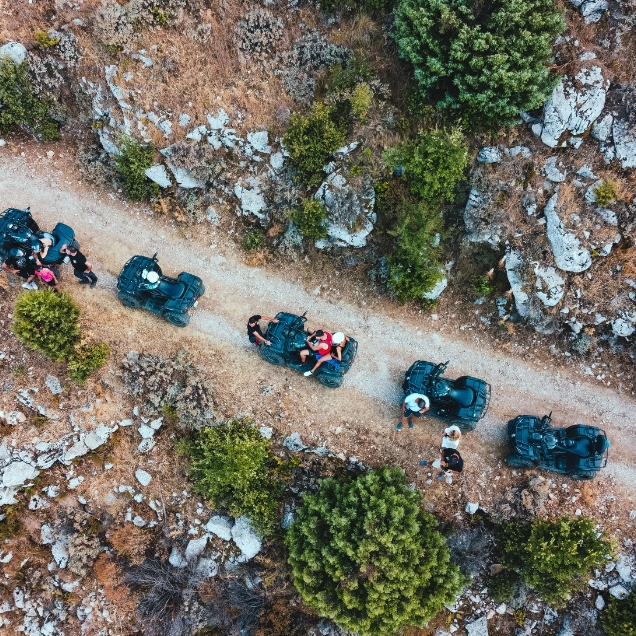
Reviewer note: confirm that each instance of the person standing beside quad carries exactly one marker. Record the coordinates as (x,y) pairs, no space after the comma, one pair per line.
(24,266)
(254,332)
(82,269)
(414,405)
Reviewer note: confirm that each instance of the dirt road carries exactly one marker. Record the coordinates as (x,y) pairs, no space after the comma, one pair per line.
(365,409)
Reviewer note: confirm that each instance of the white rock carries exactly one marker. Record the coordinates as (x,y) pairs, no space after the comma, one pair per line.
(266,431)
(13,51)
(176,559)
(591,10)
(184,120)
(12,418)
(139,521)
(597,585)
(437,290)
(252,199)
(221,526)
(599,603)
(551,171)
(609,216)
(501,609)
(5,558)
(601,130)
(524,151)
(46,533)
(159,175)
(77,450)
(625,143)
(246,538)
(207,568)
(294,443)
(490,154)
(98,437)
(623,327)
(146,445)
(18,473)
(478,627)
(514,263)
(2,143)
(549,284)
(75,482)
(60,552)
(218,122)
(197,133)
(574,109)
(472,508)
(155,425)
(196,547)
(143,477)
(618,591)
(126,423)
(146,431)
(624,569)
(53,384)
(277,161)
(258,141)
(184,177)
(567,250)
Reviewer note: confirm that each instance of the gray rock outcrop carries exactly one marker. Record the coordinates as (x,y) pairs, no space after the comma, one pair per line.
(490,154)
(514,266)
(624,137)
(246,539)
(591,10)
(14,52)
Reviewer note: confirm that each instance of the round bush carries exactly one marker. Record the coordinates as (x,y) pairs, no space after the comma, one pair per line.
(365,554)
(619,619)
(484,62)
(87,359)
(310,217)
(47,322)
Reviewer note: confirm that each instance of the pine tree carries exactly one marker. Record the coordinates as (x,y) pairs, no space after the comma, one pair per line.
(365,554)
(484,62)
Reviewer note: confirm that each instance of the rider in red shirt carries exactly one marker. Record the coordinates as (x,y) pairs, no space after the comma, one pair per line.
(320,343)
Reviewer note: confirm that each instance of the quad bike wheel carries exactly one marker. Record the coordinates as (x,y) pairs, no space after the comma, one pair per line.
(463,425)
(128,300)
(333,382)
(584,475)
(512,427)
(516,461)
(271,357)
(178,320)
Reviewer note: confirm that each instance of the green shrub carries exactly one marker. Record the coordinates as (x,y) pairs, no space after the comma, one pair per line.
(310,217)
(47,322)
(365,554)
(433,163)
(605,193)
(360,100)
(253,240)
(19,107)
(502,586)
(45,40)
(132,164)
(414,268)
(233,467)
(485,63)
(619,619)
(482,286)
(309,141)
(85,360)
(553,557)
(330,6)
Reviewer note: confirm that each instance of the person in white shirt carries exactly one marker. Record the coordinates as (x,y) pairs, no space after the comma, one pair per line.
(414,405)
(451,437)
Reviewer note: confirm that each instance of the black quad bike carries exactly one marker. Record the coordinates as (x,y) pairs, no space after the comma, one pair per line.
(142,285)
(578,451)
(288,338)
(19,229)
(462,402)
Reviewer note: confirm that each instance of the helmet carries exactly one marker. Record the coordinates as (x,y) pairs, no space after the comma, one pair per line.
(16,252)
(337,338)
(35,244)
(152,277)
(20,262)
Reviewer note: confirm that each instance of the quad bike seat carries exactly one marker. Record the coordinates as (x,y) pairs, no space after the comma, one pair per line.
(464,396)
(171,290)
(581,446)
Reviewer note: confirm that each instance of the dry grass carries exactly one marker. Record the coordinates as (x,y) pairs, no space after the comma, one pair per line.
(111,577)
(131,542)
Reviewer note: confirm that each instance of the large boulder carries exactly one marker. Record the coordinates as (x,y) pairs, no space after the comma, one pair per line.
(574,106)
(569,255)
(514,266)
(591,10)
(13,52)
(625,142)
(483,221)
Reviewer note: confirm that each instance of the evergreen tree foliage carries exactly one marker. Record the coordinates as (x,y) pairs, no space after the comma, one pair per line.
(233,467)
(619,619)
(47,322)
(132,164)
(484,61)
(414,268)
(433,163)
(19,107)
(310,217)
(365,554)
(85,360)
(310,140)
(553,557)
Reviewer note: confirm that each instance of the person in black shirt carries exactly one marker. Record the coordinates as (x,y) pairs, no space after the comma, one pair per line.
(254,332)
(81,267)
(22,265)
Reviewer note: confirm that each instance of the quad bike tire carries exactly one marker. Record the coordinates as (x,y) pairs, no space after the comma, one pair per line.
(178,320)
(128,300)
(584,475)
(516,461)
(330,381)
(270,356)
(512,427)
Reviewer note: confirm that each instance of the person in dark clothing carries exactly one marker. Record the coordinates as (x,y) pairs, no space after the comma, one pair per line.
(18,262)
(254,332)
(82,269)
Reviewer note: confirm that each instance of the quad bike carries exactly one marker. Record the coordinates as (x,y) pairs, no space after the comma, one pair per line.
(288,338)
(462,402)
(19,229)
(579,451)
(142,285)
